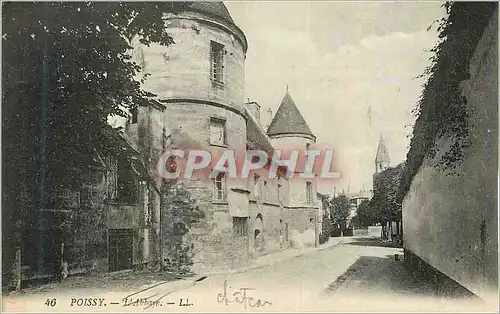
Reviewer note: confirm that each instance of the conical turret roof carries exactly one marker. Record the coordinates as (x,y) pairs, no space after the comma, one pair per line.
(213,8)
(288,120)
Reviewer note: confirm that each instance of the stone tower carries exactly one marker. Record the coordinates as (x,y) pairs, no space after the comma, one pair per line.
(201,75)
(289,130)
(382,160)
(199,81)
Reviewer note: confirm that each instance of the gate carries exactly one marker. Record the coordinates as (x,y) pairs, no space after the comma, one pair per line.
(120,249)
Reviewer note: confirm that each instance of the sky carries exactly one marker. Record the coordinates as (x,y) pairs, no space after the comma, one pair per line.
(338,59)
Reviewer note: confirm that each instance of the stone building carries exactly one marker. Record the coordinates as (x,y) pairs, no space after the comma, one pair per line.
(101,221)
(112,219)
(200,81)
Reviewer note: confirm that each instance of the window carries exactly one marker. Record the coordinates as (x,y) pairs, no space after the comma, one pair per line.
(240,226)
(219,185)
(134,113)
(217,131)
(256,190)
(127,184)
(279,187)
(217,56)
(309,193)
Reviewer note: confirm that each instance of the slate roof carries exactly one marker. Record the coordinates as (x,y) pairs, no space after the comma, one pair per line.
(382,152)
(288,119)
(215,8)
(256,136)
(218,11)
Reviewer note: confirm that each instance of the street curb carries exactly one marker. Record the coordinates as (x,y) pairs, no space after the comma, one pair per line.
(254,267)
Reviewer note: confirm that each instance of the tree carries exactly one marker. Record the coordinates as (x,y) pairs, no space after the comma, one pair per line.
(365,215)
(326,223)
(340,208)
(386,203)
(66,69)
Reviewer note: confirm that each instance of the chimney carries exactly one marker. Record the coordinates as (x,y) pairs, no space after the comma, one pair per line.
(268,119)
(254,109)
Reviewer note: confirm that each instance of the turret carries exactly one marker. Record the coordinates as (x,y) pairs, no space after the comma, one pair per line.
(289,129)
(289,126)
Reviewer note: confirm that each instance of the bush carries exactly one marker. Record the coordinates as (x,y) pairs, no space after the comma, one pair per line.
(348,232)
(323,238)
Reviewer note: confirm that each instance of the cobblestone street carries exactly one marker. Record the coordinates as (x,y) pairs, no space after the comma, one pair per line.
(357,275)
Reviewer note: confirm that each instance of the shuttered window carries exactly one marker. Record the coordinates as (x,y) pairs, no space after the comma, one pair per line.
(217,56)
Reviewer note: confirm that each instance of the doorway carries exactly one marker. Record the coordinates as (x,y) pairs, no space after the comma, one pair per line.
(120,249)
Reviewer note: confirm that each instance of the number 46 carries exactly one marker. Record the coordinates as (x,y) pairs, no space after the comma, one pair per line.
(51,302)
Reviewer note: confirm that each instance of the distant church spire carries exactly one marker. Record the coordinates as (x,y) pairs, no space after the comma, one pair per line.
(369,114)
(382,159)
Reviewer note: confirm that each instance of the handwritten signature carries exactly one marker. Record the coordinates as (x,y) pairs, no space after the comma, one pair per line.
(240,297)
(134,299)
(146,302)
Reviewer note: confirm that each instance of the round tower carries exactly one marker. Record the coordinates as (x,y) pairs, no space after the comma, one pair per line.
(289,130)
(200,78)
(200,81)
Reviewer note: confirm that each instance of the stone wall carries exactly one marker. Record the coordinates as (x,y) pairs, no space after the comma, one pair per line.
(302,224)
(216,246)
(451,222)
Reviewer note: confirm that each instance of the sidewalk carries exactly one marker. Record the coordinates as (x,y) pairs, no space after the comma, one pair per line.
(129,280)
(277,257)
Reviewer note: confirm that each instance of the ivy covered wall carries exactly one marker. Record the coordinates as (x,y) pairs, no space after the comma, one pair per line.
(449,188)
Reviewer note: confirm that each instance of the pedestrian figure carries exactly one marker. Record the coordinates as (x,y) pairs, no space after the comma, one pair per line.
(281,239)
(258,240)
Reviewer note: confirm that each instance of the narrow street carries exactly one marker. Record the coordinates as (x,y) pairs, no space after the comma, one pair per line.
(358,275)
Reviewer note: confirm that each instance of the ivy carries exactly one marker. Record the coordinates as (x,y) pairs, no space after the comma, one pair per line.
(442,111)
(180,213)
